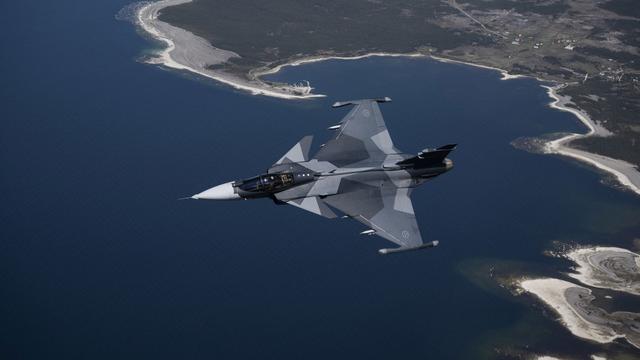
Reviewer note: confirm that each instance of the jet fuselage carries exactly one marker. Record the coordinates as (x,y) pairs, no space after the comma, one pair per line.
(285,178)
(357,172)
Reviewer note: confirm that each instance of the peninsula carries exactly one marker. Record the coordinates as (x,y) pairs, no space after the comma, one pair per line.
(588,51)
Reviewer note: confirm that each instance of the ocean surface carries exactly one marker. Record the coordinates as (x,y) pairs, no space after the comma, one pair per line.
(98,260)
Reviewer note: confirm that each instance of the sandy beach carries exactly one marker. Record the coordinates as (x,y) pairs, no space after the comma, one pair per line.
(310,60)
(503,73)
(573,304)
(188,52)
(625,173)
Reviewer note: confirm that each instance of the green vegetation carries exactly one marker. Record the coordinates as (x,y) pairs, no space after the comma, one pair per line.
(271,31)
(592,46)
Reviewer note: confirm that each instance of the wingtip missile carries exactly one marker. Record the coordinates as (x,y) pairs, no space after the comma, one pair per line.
(409,248)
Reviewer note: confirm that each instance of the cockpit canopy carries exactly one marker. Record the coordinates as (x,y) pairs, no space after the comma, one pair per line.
(267,182)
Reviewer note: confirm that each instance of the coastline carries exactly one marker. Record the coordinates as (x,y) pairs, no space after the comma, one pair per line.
(503,73)
(147,19)
(313,59)
(174,55)
(625,173)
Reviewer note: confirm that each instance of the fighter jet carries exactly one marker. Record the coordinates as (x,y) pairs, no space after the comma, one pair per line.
(359,172)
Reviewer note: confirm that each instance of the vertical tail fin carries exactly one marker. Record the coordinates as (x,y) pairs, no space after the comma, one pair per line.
(429,157)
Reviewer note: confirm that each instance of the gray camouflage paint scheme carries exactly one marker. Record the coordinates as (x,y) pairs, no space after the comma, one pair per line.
(358,172)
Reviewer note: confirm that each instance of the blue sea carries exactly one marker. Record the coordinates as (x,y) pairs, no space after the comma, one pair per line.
(98,260)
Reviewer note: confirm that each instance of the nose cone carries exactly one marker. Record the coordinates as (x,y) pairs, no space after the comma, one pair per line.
(220,192)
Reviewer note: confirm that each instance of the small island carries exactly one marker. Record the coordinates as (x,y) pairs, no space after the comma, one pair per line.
(608,268)
(573,303)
